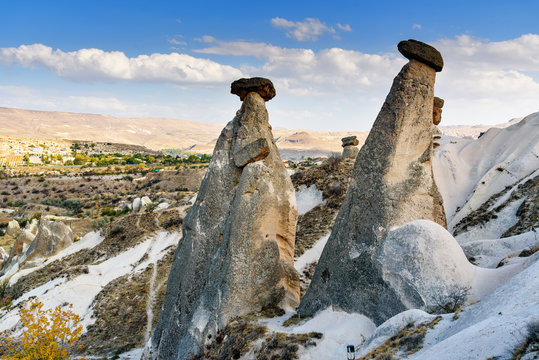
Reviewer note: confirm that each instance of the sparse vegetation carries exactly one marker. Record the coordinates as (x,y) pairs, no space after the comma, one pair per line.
(408,340)
(47,334)
(285,346)
(530,345)
(450,303)
(232,341)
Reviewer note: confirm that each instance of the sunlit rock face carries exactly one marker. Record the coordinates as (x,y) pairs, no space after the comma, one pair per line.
(236,255)
(392,185)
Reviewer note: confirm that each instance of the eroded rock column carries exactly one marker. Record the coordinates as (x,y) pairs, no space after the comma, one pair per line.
(236,254)
(350,149)
(392,184)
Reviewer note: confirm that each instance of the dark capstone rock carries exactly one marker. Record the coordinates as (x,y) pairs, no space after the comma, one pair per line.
(437,110)
(264,88)
(417,50)
(350,140)
(438,102)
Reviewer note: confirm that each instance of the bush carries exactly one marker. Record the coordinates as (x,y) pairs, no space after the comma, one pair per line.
(333,161)
(451,302)
(47,334)
(152,206)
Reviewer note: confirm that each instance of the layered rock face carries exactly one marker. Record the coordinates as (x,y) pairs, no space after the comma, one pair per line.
(392,184)
(236,255)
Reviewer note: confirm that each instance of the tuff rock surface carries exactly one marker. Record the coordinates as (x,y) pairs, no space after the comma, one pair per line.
(392,184)
(349,145)
(350,152)
(52,237)
(236,254)
(13,228)
(3,255)
(20,245)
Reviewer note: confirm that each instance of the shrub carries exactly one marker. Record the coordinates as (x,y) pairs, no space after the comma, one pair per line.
(47,334)
(333,161)
(151,206)
(451,302)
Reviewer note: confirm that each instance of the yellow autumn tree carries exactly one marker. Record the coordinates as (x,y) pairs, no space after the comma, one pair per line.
(47,334)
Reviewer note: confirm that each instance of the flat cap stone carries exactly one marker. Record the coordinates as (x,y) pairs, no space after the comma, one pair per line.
(350,140)
(438,102)
(417,50)
(264,88)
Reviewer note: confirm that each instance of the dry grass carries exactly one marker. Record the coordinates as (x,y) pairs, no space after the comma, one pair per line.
(409,340)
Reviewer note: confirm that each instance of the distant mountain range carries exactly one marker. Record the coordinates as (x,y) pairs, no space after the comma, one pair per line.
(167,133)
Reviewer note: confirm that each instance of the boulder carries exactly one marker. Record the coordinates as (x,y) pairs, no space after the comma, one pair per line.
(392,184)
(437,110)
(13,228)
(21,244)
(236,254)
(144,201)
(52,237)
(424,53)
(431,266)
(350,152)
(350,140)
(261,86)
(137,205)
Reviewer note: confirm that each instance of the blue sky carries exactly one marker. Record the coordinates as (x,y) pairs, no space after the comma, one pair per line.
(332,62)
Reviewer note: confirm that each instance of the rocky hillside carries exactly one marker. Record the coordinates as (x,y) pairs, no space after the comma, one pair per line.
(159,133)
(383,265)
(143,245)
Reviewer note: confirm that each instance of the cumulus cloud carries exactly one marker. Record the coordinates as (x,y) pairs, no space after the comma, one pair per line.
(416,26)
(96,64)
(309,29)
(488,81)
(299,69)
(493,74)
(521,53)
(482,81)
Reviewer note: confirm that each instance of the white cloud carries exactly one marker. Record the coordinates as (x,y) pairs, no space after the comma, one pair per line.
(309,29)
(345,27)
(327,70)
(482,81)
(93,64)
(521,53)
(206,39)
(488,81)
(177,42)
(416,26)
